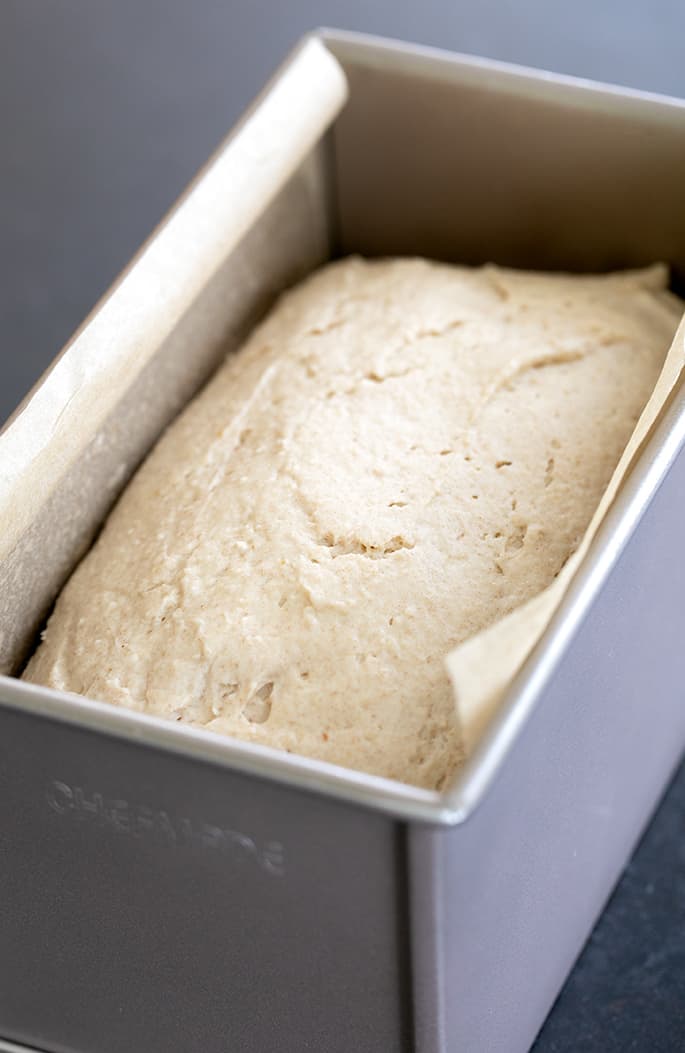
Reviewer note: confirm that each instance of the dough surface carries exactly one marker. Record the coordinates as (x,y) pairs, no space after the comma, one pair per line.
(402,452)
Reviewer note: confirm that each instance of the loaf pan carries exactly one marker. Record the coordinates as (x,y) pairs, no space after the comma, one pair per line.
(164,888)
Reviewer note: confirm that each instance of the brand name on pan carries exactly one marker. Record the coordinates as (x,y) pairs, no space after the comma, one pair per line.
(140,820)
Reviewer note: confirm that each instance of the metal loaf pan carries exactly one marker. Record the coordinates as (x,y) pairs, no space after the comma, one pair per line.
(166,889)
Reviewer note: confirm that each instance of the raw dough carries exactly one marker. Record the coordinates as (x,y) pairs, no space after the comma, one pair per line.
(403,452)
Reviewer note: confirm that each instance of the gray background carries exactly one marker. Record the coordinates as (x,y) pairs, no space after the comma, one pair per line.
(107,107)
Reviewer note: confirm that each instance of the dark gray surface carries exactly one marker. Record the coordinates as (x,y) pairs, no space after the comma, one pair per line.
(107,109)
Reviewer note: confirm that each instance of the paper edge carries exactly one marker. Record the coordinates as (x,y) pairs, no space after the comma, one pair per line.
(86,381)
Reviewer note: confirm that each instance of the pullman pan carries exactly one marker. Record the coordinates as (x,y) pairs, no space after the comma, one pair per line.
(164,888)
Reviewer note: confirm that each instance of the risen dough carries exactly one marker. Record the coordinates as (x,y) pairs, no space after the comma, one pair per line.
(402,452)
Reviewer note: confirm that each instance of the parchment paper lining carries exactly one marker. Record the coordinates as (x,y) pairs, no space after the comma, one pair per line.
(85,383)
(255,221)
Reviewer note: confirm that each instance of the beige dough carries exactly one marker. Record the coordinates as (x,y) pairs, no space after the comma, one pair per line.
(402,453)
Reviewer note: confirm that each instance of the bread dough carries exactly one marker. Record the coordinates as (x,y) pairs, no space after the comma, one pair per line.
(402,452)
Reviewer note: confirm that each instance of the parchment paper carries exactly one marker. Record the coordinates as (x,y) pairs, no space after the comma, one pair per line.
(86,382)
(482,667)
(253,221)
